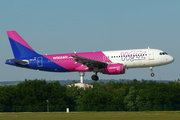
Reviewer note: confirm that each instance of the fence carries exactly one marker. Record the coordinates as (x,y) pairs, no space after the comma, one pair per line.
(87,108)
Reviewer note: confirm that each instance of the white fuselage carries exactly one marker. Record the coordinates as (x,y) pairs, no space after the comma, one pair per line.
(139,58)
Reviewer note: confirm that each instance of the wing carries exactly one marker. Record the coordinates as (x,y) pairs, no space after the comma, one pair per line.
(89,62)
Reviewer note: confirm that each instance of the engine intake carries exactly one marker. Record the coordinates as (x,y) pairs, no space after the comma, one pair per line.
(113,69)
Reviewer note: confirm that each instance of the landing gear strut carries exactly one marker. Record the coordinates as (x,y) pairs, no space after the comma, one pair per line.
(152,74)
(95,77)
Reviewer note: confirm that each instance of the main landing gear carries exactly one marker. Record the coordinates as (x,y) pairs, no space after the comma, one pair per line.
(152,74)
(95,77)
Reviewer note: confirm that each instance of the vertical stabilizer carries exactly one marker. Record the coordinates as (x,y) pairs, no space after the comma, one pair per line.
(19,47)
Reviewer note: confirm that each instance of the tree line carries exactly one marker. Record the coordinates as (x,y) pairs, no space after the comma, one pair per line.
(31,95)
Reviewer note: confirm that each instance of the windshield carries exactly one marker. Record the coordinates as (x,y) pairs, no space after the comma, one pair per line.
(163,53)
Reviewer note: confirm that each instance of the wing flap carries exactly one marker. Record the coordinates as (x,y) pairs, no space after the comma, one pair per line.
(88,62)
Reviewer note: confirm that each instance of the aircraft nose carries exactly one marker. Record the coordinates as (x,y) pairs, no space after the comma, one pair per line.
(170,59)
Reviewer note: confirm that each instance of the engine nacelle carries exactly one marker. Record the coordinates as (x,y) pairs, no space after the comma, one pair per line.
(113,69)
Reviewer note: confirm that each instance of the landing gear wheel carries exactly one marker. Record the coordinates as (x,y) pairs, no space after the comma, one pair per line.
(95,77)
(152,74)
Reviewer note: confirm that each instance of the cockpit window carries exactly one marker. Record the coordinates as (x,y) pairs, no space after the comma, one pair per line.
(163,53)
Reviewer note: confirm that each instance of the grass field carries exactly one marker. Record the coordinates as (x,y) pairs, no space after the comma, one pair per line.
(92,116)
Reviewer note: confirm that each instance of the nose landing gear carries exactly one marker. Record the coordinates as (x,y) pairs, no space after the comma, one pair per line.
(152,74)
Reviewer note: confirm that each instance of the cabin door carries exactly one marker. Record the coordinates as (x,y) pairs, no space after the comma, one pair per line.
(40,61)
(151,55)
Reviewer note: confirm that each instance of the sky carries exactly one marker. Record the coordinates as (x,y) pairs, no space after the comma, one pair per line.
(65,26)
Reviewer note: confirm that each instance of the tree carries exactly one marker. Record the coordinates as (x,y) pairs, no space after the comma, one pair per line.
(130,99)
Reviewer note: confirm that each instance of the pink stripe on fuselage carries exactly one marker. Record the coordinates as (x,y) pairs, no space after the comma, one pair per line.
(68,62)
(16,37)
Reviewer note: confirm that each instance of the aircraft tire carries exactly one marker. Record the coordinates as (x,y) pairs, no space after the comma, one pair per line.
(152,74)
(95,77)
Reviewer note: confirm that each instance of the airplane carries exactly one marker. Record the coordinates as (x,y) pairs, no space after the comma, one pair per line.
(105,62)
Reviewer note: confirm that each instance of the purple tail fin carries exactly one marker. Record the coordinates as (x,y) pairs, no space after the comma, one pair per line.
(19,47)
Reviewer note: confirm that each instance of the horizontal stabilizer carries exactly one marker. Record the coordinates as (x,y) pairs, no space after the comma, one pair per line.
(22,62)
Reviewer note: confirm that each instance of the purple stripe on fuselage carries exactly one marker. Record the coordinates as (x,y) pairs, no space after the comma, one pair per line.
(42,63)
(16,37)
(68,62)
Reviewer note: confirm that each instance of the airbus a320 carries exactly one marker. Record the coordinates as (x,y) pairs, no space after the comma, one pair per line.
(105,62)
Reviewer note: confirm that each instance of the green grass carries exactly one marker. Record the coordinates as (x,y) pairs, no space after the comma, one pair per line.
(172,115)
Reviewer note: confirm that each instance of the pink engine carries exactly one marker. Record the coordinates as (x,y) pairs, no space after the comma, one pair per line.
(113,69)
